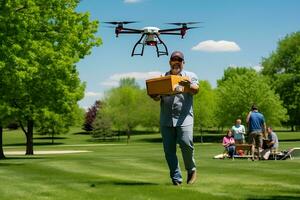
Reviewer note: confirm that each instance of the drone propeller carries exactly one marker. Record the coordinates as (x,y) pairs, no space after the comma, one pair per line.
(165,31)
(194,27)
(120,22)
(109,26)
(183,23)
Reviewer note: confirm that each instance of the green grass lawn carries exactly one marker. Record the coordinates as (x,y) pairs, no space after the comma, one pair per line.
(117,170)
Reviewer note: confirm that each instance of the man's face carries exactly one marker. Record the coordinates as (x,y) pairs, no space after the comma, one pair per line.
(269,130)
(176,65)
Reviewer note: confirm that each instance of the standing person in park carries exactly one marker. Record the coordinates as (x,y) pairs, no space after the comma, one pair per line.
(176,121)
(238,131)
(257,127)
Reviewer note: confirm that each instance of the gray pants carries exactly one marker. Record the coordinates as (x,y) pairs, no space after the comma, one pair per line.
(184,137)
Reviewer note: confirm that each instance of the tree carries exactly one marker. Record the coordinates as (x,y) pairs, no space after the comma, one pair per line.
(5,118)
(283,68)
(204,106)
(40,43)
(129,106)
(122,105)
(90,116)
(52,123)
(238,92)
(149,111)
(102,125)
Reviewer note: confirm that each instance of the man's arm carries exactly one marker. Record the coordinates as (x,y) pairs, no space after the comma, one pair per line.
(248,117)
(194,89)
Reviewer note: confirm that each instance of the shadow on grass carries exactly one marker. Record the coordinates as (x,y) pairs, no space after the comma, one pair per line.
(197,138)
(35,144)
(124,183)
(83,133)
(275,198)
(50,138)
(25,157)
(11,158)
(10,164)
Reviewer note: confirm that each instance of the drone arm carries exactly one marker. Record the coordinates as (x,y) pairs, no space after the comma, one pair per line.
(165,33)
(168,30)
(133,30)
(128,32)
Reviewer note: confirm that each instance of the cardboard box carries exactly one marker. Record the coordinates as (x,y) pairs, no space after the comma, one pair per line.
(165,85)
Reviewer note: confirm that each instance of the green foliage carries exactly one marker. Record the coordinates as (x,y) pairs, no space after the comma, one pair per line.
(204,106)
(40,42)
(128,82)
(102,125)
(128,106)
(238,92)
(52,123)
(283,68)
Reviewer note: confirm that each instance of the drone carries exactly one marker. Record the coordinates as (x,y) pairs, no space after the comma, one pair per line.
(151,35)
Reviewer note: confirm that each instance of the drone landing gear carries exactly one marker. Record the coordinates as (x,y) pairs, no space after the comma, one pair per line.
(156,42)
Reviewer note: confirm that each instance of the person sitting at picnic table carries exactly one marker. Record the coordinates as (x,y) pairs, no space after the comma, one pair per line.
(228,143)
(271,144)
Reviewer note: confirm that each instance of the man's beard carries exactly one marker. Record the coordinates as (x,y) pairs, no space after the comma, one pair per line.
(176,69)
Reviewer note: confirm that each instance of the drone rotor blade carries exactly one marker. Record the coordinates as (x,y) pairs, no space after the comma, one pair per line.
(183,23)
(129,22)
(120,22)
(194,27)
(109,26)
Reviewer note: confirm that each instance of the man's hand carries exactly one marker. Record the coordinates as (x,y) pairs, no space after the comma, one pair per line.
(185,83)
(155,97)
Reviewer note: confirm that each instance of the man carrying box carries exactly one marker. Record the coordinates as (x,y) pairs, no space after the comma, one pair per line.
(176,120)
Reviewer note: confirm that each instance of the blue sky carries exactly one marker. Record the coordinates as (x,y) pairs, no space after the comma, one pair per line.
(234,33)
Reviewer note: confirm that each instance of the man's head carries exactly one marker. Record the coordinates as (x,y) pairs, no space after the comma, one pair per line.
(254,107)
(176,62)
(269,129)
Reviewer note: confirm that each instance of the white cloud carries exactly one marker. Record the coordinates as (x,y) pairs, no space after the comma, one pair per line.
(115,78)
(110,83)
(132,1)
(257,68)
(93,94)
(216,46)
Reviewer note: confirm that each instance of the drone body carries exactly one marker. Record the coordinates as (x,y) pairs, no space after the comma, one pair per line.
(150,36)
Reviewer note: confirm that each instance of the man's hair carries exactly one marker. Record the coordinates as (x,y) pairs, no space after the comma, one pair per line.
(254,107)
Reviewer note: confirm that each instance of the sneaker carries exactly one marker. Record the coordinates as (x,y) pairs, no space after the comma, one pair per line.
(177,183)
(191,178)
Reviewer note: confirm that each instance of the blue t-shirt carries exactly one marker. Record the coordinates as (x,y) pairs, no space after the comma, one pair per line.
(256,122)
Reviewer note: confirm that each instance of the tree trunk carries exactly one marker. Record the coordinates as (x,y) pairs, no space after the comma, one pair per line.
(201,132)
(128,135)
(1,144)
(52,137)
(29,137)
